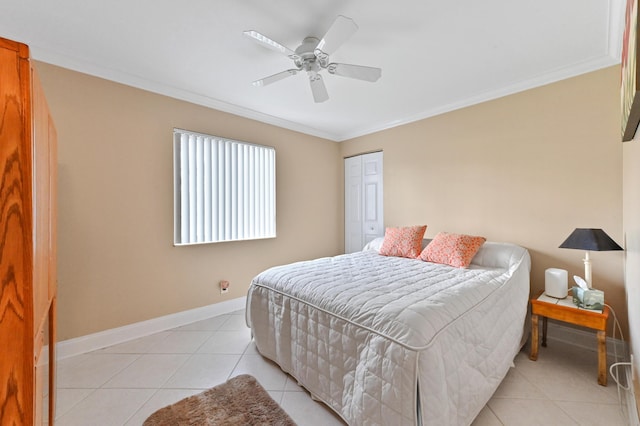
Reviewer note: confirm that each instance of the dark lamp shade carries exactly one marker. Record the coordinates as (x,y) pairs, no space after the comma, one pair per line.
(590,239)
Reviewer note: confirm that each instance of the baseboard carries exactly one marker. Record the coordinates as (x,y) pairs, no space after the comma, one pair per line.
(628,392)
(585,340)
(91,342)
(634,401)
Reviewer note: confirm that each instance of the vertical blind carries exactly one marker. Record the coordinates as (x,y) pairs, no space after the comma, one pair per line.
(224,190)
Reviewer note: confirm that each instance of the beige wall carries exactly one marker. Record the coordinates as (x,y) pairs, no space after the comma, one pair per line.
(631,219)
(117,264)
(527,168)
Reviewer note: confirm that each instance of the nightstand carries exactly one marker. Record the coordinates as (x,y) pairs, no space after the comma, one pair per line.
(564,310)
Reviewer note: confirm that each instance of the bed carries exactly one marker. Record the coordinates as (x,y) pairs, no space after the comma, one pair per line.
(390,340)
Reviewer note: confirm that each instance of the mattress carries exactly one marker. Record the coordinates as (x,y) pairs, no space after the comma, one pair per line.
(389,340)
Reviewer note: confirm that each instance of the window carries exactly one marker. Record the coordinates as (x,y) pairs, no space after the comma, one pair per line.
(224,190)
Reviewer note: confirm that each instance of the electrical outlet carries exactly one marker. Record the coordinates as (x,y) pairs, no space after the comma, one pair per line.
(224,286)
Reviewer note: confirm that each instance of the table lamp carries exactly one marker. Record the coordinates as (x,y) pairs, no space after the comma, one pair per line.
(589,239)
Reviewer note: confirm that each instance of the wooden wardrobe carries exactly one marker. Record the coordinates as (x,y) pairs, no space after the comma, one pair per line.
(27,243)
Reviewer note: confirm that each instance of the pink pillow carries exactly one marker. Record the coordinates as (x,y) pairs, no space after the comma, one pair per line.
(403,242)
(452,249)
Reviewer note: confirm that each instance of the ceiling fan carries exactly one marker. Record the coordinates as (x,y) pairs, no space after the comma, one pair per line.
(312,56)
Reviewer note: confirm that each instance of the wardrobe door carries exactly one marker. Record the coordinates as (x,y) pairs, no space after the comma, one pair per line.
(44,261)
(16,230)
(27,243)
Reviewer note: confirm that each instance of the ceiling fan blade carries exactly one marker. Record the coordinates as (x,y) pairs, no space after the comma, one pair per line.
(359,72)
(339,32)
(270,44)
(275,77)
(318,88)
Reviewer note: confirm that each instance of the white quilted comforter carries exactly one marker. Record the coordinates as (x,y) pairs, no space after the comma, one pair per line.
(391,341)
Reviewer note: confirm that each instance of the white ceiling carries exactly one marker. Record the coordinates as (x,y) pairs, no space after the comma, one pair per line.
(436,56)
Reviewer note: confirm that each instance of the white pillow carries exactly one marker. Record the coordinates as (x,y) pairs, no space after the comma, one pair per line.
(376,243)
(499,255)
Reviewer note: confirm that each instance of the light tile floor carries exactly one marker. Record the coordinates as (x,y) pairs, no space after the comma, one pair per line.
(125,383)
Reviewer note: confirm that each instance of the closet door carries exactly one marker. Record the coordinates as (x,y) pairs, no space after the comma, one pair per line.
(363,189)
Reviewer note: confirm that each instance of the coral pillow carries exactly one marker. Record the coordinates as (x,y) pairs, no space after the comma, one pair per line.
(452,249)
(403,242)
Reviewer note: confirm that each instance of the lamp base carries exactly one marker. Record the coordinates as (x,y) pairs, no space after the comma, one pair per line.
(587,269)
